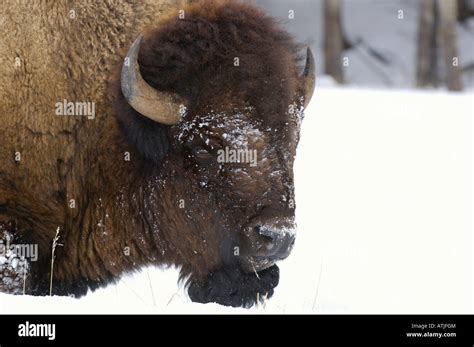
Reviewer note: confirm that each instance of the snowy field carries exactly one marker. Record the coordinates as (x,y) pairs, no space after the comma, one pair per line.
(384,210)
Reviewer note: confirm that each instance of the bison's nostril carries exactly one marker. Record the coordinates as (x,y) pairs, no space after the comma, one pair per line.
(265,235)
(264,231)
(262,239)
(278,244)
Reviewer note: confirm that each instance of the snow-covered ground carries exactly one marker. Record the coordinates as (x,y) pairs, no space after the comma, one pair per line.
(384,208)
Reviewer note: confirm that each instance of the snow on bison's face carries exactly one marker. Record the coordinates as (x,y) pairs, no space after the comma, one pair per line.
(245,167)
(241,163)
(228,154)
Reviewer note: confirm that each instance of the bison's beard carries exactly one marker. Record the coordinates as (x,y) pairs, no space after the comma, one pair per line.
(235,287)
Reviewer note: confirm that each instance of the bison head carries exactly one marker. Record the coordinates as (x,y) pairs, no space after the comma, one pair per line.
(224,105)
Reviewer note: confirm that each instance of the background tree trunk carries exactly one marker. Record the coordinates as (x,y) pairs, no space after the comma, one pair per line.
(333,40)
(426,73)
(465,9)
(448,41)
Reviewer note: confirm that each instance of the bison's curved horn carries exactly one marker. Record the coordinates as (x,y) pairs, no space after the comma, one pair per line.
(160,107)
(309,77)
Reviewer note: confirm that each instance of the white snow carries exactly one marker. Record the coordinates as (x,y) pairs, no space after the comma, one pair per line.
(383,196)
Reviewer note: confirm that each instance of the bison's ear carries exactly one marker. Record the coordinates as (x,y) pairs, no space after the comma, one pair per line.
(150,139)
(145,113)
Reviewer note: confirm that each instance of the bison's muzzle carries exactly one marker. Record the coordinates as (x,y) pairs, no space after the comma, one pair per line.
(266,243)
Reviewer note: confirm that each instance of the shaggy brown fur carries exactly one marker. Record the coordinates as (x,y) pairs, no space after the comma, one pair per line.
(135,206)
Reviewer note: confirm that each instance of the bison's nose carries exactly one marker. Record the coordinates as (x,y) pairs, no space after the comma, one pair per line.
(279,242)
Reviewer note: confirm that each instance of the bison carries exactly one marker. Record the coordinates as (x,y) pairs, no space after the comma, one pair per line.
(144,133)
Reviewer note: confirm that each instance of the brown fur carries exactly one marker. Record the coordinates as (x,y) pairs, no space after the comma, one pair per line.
(135,205)
(182,54)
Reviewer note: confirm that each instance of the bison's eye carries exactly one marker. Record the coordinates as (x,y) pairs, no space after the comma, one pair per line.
(202,155)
